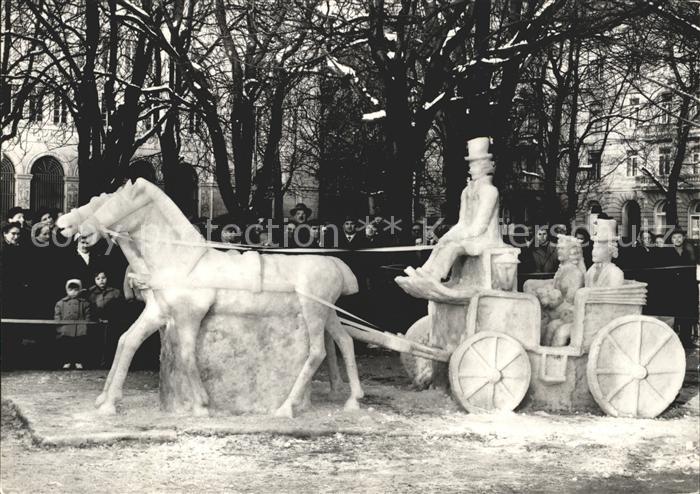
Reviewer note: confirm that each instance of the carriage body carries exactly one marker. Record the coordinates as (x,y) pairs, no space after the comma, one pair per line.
(522,372)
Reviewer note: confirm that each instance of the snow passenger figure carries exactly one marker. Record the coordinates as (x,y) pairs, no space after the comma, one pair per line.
(604,273)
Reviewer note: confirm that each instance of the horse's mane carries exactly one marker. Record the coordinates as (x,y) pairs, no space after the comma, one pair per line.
(168,208)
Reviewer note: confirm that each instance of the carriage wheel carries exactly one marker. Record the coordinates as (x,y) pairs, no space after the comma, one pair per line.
(419,369)
(489,371)
(636,366)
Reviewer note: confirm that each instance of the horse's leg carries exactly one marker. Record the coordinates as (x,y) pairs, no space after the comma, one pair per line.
(187,321)
(315,316)
(188,356)
(148,323)
(347,348)
(332,362)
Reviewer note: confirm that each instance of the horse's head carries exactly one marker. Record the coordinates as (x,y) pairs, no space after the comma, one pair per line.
(80,220)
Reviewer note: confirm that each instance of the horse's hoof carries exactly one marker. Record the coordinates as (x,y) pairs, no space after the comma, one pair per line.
(107,409)
(100,400)
(284,411)
(351,405)
(200,411)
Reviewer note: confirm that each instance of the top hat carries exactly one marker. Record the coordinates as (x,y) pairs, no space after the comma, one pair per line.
(300,206)
(604,230)
(479,149)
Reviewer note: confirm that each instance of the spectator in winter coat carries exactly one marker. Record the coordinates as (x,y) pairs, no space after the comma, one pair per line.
(72,337)
(106,304)
(81,262)
(46,283)
(14,273)
(683,290)
(103,298)
(542,255)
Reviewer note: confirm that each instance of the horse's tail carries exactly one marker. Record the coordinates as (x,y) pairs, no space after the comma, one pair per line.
(349,280)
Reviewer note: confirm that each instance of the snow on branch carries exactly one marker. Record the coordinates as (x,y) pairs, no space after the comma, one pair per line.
(339,68)
(377,115)
(428,106)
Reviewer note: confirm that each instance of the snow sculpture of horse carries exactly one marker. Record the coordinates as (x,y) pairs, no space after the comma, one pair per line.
(185,279)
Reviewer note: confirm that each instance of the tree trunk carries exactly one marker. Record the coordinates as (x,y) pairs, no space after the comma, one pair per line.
(271,160)
(90,166)
(681,143)
(454,165)
(571,192)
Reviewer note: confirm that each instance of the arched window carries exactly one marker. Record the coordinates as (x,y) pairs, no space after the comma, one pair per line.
(660,217)
(7,185)
(694,220)
(631,220)
(46,189)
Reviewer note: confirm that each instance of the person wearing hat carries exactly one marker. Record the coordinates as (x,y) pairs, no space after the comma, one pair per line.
(72,337)
(477,227)
(298,233)
(16,215)
(604,273)
(683,300)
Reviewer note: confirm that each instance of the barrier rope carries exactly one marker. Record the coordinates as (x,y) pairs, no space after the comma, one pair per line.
(292,250)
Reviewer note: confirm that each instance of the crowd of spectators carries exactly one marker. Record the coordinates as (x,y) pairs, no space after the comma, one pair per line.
(36,263)
(36,266)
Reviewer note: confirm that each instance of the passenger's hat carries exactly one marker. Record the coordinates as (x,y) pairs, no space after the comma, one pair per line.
(300,206)
(604,229)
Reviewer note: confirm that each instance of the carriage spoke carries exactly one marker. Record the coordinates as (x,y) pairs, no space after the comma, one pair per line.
(506,388)
(493,396)
(495,354)
(617,371)
(615,391)
(656,350)
(473,376)
(636,397)
(665,371)
(619,348)
(639,342)
(656,391)
(475,390)
(512,359)
(481,357)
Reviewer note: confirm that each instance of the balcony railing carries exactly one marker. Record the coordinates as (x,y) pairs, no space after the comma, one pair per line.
(684,182)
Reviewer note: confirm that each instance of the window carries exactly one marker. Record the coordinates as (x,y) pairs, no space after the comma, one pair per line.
(660,217)
(634,113)
(36,105)
(595,119)
(632,164)
(60,109)
(593,165)
(664,161)
(694,161)
(665,104)
(694,220)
